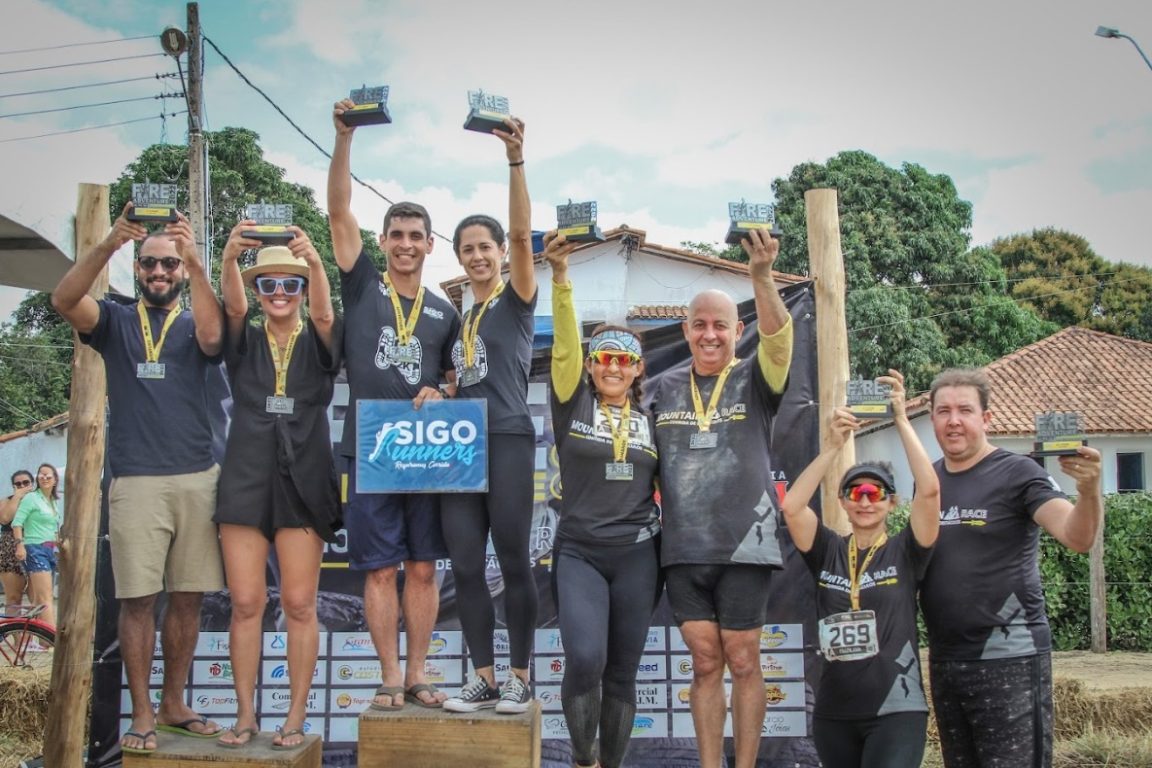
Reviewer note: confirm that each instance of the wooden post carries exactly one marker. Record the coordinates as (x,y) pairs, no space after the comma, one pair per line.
(197,197)
(826,265)
(1098,595)
(72,659)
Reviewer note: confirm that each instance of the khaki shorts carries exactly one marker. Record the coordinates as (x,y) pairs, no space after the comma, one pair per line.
(162,534)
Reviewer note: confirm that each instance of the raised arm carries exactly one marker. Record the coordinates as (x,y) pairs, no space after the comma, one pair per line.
(774,353)
(798,516)
(523,273)
(231,284)
(925,515)
(319,292)
(9,505)
(346,242)
(1075,525)
(205,309)
(567,365)
(71,297)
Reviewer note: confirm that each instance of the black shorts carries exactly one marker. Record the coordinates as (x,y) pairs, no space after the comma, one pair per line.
(734,596)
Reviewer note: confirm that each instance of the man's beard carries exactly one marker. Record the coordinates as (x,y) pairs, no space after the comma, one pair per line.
(161,298)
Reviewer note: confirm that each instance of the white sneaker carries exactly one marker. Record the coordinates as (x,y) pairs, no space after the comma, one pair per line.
(515,697)
(476,695)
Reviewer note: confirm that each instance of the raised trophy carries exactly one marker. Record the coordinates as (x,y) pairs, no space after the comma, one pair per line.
(577,222)
(486,111)
(272,222)
(868,399)
(1058,433)
(371,107)
(153,202)
(744,217)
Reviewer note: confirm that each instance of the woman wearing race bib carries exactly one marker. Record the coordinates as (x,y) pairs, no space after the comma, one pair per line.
(870,708)
(278,482)
(606,573)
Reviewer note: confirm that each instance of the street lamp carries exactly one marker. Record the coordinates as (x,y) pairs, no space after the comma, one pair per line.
(1112,32)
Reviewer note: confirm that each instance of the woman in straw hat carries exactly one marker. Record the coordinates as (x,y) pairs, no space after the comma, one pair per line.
(278,482)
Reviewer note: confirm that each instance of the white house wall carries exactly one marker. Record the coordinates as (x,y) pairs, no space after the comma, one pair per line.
(31,451)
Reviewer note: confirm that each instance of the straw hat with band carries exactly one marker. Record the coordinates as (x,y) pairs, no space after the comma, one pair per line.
(275,259)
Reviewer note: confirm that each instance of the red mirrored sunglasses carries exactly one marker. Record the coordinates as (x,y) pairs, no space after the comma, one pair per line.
(873,493)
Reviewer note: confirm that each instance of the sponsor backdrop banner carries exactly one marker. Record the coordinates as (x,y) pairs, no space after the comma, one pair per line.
(348,670)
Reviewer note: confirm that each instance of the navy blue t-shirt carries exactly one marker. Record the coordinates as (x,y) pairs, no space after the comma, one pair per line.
(155,426)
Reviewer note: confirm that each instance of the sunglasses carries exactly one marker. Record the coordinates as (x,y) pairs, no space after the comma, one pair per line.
(608,356)
(290,285)
(21,483)
(873,493)
(148,263)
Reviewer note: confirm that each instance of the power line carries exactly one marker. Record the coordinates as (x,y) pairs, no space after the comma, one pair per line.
(81,63)
(75,45)
(89,106)
(299,130)
(156,76)
(94,127)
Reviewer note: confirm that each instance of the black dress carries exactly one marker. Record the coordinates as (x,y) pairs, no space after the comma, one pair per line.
(278,470)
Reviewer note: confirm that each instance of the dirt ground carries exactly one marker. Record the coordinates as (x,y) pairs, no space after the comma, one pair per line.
(1104,671)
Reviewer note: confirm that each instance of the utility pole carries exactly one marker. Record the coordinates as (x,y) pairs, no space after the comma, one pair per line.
(197,195)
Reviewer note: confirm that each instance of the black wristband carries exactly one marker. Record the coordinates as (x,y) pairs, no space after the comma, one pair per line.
(513,165)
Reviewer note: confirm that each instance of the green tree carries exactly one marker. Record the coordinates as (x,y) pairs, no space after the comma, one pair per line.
(35,364)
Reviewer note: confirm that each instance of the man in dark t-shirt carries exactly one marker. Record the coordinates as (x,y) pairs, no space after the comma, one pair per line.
(397,345)
(988,636)
(713,429)
(157,357)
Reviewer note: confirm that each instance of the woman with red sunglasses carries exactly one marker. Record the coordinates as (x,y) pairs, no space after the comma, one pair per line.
(278,482)
(870,708)
(606,572)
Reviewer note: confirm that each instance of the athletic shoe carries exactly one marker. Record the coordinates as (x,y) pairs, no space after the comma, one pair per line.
(477,694)
(515,696)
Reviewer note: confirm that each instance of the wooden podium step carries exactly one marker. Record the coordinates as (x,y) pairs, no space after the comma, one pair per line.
(415,737)
(175,751)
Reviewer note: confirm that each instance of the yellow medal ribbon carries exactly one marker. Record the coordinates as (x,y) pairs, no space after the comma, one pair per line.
(281,366)
(152,351)
(621,431)
(404,328)
(853,575)
(704,417)
(471,327)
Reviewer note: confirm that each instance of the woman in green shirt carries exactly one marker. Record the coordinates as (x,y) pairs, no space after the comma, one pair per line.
(34,528)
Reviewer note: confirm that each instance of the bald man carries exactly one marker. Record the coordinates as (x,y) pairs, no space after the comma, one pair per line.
(719,546)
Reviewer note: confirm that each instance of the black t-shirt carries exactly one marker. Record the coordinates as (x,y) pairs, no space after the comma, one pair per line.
(890,681)
(719,503)
(374,372)
(155,426)
(595,510)
(503,359)
(982,597)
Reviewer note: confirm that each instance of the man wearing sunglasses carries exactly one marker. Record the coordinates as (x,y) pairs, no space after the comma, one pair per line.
(713,426)
(989,642)
(163,493)
(397,345)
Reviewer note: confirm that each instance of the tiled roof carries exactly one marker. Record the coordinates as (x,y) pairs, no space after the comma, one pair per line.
(60,420)
(1106,379)
(658,312)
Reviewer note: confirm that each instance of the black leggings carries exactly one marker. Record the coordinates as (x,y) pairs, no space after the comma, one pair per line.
(606,595)
(889,741)
(505,512)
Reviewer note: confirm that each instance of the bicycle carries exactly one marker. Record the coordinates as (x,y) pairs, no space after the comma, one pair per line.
(25,641)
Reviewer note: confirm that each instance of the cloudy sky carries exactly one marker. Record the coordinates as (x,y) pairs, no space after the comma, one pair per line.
(661,111)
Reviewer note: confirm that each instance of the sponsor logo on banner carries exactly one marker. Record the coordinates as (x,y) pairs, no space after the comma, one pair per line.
(350,700)
(212,644)
(211,672)
(680,666)
(788,636)
(441,447)
(549,698)
(650,725)
(214,701)
(676,640)
(549,668)
(311,724)
(785,724)
(549,641)
(651,696)
(656,640)
(553,727)
(356,672)
(500,644)
(785,695)
(652,668)
(276,672)
(782,665)
(353,644)
(278,700)
(154,695)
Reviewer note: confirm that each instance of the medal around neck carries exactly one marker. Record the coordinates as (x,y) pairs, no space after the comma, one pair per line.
(867,399)
(486,111)
(152,202)
(272,222)
(744,217)
(371,107)
(1058,433)
(577,222)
